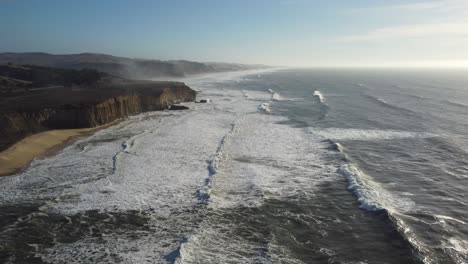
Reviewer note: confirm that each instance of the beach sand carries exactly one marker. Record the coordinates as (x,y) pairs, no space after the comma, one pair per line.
(45,143)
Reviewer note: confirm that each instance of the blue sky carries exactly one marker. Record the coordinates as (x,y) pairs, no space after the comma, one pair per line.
(275,32)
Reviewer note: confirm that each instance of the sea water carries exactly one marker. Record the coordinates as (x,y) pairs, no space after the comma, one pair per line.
(287,166)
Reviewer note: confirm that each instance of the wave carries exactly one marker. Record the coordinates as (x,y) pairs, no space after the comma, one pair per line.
(216,161)
(384,103)
(264,107)
(324,106)
(320,97)
(358,188)
(370,195)
(459,245)
(381,101)
(246,95)
(458,104)
(367,134)
(126,147)
(445,218)
(128,144)
(274,95)
(374,198)
(265,161)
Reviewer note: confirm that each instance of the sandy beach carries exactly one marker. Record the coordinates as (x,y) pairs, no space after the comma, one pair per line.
(22,153)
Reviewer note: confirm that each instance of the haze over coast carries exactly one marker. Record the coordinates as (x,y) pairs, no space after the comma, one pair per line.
(159,131)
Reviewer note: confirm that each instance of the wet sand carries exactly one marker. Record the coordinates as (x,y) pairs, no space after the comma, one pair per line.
(18,156)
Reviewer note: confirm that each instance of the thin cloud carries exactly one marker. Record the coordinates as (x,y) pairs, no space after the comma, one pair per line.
(412,31)
(432,5)
(409,7)
(444,18)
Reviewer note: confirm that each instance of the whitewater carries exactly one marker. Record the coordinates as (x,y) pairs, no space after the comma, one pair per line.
(261,173)
(167,168)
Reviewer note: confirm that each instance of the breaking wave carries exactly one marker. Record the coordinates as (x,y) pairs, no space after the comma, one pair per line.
(319,96)
(264,107)
(368,134)
(216,160)
(274,95)
(374,198)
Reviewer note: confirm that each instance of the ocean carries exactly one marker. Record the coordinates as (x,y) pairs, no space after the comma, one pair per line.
(285,166)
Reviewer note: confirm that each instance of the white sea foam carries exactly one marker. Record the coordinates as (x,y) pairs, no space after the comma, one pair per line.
(274,95)
(371,195)
(154,161)
(162,163)
(319,95)
(448,218)
(382,100)
(262,161)
(367,134)
(460,245)
(226,150)
(339,147)
(367,196)
(264,107)
(262,155)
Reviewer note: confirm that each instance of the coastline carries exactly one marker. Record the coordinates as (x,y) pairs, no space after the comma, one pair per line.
(43,144)
(18,156)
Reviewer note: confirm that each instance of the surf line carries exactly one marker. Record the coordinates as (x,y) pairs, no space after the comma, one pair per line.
(203,194)
(216,161)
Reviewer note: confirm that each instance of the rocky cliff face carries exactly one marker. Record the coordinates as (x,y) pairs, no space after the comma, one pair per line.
(72,111)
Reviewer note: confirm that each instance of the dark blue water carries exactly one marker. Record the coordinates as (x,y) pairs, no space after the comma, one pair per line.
(403,138)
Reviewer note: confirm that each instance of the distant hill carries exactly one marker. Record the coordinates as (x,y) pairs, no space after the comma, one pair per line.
(14,77)
(120,66)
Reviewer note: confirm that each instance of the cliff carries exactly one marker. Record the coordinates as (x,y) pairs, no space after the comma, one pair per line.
(27,112)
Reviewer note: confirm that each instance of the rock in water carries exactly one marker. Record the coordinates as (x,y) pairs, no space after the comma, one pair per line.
(178,107)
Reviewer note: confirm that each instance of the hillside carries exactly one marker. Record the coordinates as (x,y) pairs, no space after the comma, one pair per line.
(36,98)
(120,66)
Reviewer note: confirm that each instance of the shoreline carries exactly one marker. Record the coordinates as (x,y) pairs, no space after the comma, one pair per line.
(18,157)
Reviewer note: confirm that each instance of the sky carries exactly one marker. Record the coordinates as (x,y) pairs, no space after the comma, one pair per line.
(305,33)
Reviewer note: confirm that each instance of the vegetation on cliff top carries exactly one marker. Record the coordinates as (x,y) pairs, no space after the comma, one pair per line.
(38,98)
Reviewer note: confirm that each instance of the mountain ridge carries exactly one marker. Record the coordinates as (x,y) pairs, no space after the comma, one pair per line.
(134,68)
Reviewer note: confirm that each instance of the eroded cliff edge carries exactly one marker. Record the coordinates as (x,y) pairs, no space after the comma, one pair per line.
(57,107)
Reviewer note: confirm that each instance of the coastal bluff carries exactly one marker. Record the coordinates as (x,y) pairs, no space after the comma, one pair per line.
(53,106)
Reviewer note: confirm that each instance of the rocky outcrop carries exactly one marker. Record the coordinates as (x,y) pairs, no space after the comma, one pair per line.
(43,110)
(178,107)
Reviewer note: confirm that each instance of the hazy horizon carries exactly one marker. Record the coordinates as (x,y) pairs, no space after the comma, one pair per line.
(291,33)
